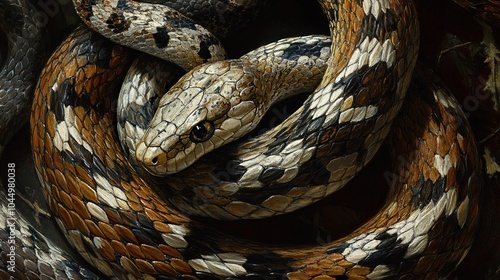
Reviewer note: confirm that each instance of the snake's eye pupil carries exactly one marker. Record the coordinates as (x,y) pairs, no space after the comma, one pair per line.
(202,131)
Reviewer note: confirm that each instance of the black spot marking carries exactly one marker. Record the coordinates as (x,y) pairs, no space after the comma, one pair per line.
(275,148)
(300,132)
(117,22)
(66,89)
(205,45)
(267,263)
(119,172)
(353,82)
(66,95)
(139,115)
(270,174)
(438,189)
(389,251)
(99,52)
(87,12)
(387,241)
(425,191)
(59,112)
(123,5)
(98,165)
(296,50)
(161,37)
(377,27)
(316,124)
(146,233)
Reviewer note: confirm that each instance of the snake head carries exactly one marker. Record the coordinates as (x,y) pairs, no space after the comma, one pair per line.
(192,121)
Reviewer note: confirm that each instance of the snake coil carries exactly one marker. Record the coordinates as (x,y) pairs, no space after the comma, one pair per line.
(122,226)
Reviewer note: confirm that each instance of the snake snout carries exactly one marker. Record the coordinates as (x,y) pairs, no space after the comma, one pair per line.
(153,159)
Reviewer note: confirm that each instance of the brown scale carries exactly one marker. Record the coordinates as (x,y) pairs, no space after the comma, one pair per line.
(135,257)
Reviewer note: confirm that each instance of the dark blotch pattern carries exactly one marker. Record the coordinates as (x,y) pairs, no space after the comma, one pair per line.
(296,50)
(389,252)
(376,27)
(161,37)
(118,23)
(270,174)
(204,52)
(425,190)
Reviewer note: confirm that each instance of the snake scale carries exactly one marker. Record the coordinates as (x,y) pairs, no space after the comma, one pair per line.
(122,225)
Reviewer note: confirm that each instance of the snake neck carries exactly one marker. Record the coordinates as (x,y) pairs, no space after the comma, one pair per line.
(341,126)
(373,54)
(352,110)
(233,96)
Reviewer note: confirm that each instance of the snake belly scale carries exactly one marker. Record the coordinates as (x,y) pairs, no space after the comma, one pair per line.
(123,227)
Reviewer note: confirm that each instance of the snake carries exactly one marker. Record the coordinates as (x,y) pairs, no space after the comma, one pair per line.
(24,40)
(122,225)
(24,50)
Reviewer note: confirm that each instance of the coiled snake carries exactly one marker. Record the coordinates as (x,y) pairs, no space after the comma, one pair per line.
(122,225)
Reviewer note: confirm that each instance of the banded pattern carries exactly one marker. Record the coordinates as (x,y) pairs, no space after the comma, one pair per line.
(313,153)
(122,226)
(134,233)
(143,87)
(24,252)
(211,94)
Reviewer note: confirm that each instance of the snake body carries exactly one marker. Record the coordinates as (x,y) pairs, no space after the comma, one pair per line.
(21,60)
(147,79)
(313,153)
(121,224)
(156,29)
(25,44)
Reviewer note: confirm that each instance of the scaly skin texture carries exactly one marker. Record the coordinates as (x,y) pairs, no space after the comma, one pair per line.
(424,229)
(314,152)
(24,252)
(231,96)
(26,46)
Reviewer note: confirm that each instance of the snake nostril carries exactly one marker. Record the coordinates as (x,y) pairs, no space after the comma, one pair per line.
(154,160)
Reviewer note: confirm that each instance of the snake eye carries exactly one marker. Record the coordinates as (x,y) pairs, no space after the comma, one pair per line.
(202,131)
